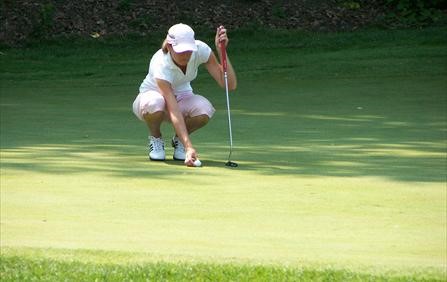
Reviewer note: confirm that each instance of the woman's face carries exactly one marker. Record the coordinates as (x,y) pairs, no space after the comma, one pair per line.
(180,59)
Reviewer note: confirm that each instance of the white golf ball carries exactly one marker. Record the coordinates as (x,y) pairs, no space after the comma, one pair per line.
(197,163)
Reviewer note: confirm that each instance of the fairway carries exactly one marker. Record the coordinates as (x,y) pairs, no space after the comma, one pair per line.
(340,141)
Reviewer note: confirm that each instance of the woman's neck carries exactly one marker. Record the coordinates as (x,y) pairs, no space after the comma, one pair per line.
(182,68)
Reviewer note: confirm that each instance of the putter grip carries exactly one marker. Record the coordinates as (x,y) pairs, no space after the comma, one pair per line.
(223,53)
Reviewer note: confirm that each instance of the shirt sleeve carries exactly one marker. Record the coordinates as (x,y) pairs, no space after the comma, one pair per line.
(203,51)
(159,70)
(162,73)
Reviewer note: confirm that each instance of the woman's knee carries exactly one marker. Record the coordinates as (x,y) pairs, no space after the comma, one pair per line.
(148,103)
(202,107)
(157,116)
(202,119)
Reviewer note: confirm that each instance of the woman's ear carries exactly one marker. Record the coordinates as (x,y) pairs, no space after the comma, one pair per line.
(169,46)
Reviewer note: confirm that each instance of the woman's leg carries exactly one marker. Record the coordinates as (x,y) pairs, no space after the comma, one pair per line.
(197,122)
(150,108)
(153,122)
(197,111)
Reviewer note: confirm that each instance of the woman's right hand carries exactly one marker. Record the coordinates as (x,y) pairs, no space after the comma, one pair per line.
(191,156)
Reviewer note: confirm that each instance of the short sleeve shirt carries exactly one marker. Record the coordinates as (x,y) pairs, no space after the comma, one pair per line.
(163,67)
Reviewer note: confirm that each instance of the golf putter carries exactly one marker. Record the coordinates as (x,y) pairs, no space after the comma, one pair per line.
(223,53)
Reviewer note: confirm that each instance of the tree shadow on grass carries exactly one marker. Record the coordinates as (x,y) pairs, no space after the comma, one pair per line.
(345,157)
(303,145)
(348,146)
(344,162)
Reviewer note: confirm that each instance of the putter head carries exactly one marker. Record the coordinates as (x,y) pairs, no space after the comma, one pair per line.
(231,164)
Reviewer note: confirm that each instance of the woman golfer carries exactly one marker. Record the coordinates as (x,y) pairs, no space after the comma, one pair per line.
(166,93)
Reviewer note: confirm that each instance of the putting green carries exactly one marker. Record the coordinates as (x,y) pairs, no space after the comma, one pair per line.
(341,160)
(328,220)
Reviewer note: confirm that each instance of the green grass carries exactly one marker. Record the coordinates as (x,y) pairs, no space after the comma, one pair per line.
(75,270)
(340,138)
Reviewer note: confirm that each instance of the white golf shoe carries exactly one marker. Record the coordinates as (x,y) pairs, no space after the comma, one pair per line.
(179,150)
(156,149)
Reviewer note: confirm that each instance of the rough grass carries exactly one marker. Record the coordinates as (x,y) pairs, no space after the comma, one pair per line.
(68,266)
(340,140)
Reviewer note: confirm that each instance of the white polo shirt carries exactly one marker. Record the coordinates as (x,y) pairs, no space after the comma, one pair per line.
(162,67)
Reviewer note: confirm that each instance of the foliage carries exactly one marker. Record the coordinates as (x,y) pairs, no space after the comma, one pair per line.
(351,5)
(50,18)
(124,5)
(45,20)
(413,12)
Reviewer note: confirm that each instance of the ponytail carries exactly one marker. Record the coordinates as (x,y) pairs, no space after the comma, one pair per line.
(164,46)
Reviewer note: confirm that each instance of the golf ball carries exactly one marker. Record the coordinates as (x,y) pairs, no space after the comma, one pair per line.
(197,163)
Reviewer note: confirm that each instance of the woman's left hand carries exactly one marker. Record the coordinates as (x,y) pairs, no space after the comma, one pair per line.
(221,37)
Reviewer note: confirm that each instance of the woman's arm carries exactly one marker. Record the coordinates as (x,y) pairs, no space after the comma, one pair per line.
(177,120)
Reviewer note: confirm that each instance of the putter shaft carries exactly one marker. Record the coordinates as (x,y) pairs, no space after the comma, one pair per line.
(230,131)
(229,115)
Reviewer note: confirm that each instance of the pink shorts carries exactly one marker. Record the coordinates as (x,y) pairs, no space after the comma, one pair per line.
(190,104)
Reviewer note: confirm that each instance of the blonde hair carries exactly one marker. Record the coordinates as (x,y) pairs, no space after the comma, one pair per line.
(164,46)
